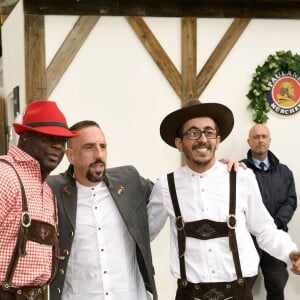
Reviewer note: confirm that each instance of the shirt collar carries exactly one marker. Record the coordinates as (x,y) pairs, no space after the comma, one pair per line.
(193,173)
(257,162)
(20,155)
(90,188)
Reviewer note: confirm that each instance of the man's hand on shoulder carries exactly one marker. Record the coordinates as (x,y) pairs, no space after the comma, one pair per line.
(295,258)
(231,163)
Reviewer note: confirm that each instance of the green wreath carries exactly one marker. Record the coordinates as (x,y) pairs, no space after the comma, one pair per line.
(281,61)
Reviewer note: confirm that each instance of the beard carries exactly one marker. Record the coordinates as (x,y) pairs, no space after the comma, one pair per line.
(200,161)
(93,176)
(261,151)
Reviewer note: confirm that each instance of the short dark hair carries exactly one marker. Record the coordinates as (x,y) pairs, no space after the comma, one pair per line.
(83,124)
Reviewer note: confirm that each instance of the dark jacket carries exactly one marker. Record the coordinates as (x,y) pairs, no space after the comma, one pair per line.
(277,188)
(131,194)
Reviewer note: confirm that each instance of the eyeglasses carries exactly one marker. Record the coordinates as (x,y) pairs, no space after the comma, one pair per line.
(195,133)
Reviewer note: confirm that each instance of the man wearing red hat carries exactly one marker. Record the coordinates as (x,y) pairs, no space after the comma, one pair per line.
(28,214)
(212,212)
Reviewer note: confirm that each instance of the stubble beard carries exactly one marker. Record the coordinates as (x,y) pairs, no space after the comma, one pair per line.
(201,162)
(260,152)
(95,177)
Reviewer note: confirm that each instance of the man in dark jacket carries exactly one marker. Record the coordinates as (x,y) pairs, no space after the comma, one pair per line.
(277,187)
(103,225)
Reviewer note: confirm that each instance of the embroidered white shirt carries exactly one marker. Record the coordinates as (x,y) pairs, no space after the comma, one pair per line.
(102,264)
(206,196)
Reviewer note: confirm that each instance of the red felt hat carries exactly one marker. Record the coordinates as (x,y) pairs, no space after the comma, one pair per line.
(45,117)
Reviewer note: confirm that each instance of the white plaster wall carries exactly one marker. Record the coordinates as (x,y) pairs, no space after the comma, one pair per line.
(13,53)
(114,81)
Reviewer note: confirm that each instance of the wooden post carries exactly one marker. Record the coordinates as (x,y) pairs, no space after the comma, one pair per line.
(35,70)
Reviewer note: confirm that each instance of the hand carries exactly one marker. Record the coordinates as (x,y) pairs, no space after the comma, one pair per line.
(295,258)
(232,163)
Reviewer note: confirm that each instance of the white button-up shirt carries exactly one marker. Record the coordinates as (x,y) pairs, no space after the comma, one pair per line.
(102,264)
(206,196)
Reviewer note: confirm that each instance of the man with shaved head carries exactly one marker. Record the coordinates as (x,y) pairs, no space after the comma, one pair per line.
(277,187)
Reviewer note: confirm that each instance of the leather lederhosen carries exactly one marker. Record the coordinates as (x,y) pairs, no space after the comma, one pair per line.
(240,289)
(24,293)
(34,230)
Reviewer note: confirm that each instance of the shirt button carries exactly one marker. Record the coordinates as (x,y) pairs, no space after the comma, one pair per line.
(58,290)
(102,250)
(209,250)
(213,271)
(71,233)
(105,272)
(96,207)
(99,228)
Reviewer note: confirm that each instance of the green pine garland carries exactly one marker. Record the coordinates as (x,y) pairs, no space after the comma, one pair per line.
(281,61)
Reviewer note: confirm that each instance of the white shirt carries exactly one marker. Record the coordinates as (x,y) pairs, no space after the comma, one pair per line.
(102,263)
(206,196)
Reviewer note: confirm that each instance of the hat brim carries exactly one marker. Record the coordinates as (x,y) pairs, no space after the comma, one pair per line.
(221,114)
(50,130)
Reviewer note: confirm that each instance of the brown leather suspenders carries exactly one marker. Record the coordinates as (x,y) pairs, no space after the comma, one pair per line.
(180,226)
(231,222)
(30,229)
(206,229)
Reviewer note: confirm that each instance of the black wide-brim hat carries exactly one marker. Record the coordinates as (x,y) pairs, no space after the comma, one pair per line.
(220,113)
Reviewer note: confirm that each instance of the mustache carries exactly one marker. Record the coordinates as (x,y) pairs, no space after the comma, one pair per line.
(199,145)
(98,161)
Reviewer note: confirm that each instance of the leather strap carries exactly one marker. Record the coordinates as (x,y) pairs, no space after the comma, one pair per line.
(180,226)
(20,247)
(231,229)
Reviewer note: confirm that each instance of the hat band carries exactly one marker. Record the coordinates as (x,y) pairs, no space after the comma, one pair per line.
(39,124)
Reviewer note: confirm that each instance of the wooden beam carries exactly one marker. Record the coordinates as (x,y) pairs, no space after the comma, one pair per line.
(219,54)
(68,50)
(286,9)
(189,58)
(157,52)
(5,3)
(5,11)
(35,69)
